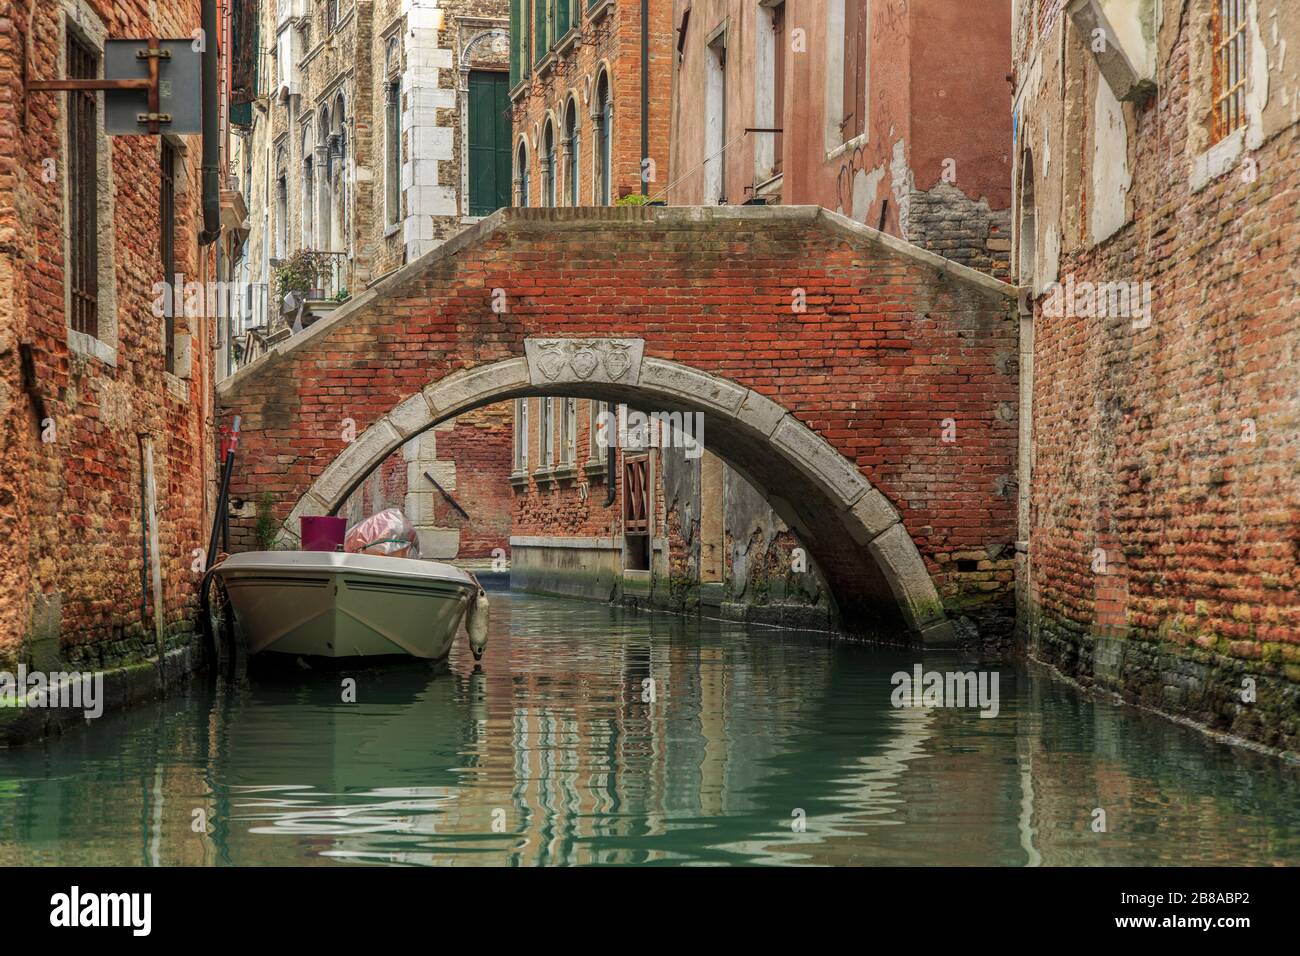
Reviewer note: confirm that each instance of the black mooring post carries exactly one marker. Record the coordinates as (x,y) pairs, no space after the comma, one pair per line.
(611,465)
(223,494)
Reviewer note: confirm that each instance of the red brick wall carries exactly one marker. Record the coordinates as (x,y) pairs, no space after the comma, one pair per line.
(557,508)
(480,445)
(889,346)
(1140,444)
(71,508)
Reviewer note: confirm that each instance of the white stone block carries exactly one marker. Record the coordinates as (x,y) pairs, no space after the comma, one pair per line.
(419,507)
(444,473)
(439,544)
(424,172)
(417,228)
(431,142)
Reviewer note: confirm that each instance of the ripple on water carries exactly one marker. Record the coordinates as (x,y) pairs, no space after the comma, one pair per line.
(592,735)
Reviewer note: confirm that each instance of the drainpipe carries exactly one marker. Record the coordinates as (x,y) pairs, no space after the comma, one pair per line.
(645,93)
(611,466)
(211,133)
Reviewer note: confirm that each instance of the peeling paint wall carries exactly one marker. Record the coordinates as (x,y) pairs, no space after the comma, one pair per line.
(932,165)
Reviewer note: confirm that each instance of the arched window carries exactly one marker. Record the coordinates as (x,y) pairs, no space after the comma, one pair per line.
(281,205)
(324,212)
(338,178)
(307,215)
(521,174)
(571,153)
(603,116)
(548,164)
(392,135)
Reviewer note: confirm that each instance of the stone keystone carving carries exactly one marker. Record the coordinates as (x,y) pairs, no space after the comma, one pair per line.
(555,361)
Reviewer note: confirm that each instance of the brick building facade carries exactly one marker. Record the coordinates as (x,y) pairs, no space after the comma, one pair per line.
(371,139)
(892,112)
(105,406)
(576,96)
(576,89)
(1157,165)
(453,484)
(900,335)
(381,130)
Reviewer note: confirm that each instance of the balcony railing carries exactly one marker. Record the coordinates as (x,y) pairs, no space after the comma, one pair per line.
(335,282)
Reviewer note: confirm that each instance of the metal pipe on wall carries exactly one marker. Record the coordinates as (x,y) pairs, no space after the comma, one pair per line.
(645,94)
(211,128)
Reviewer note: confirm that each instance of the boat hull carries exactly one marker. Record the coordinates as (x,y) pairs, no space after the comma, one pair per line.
(335,605)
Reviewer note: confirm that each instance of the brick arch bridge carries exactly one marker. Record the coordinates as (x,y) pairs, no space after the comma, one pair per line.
(867,388)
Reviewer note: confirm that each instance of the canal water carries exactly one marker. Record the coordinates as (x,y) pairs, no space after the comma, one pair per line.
(594,735)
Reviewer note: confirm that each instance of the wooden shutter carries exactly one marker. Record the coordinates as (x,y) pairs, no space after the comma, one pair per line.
(489,141)
(636,497)
(778,84)
(855,65)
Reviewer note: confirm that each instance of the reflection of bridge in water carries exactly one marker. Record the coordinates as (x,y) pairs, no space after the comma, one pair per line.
(553,754)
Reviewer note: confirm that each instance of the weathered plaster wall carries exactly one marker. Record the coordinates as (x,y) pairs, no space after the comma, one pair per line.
(1161,535)
(932,165)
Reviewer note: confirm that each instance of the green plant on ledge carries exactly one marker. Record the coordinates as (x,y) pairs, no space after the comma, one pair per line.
(632,199)
(301,273)
(265,528)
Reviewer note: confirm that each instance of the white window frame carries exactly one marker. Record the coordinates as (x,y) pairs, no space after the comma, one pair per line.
(835,142)
(547,432)
(521,436)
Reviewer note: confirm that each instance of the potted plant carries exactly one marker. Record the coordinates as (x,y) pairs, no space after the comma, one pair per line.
(301,274)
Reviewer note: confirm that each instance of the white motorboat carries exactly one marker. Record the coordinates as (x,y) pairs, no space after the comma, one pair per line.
(338,605)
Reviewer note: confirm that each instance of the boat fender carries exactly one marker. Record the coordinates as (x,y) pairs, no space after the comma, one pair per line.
(476,623)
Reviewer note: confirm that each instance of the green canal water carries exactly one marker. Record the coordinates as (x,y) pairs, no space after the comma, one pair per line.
(749,746)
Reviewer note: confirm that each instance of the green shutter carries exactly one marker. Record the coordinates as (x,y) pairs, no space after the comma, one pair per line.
(489,142)
(516,35)
(562,11)
(505,164)
(540,43)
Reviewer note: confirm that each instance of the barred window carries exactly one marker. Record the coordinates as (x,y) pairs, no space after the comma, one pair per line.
(1229,67)
(83,191)
(167,246)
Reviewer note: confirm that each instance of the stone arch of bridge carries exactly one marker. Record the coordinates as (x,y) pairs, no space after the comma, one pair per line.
(871,564)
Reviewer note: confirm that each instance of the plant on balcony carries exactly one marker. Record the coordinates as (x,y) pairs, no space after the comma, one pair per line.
(637,199)
(302,273)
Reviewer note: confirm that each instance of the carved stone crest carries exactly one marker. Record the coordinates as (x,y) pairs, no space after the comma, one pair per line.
(552,361)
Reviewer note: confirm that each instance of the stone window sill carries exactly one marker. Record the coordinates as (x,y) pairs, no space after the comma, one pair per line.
(846,147)
(594,469)
(546,64)
(567,41)
(392,230)
(600,10)
(1220,158)
(178,387)
(519,480)
(88,345)
(564,472)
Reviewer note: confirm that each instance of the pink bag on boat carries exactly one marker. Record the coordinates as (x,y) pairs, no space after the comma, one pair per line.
(386,534)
